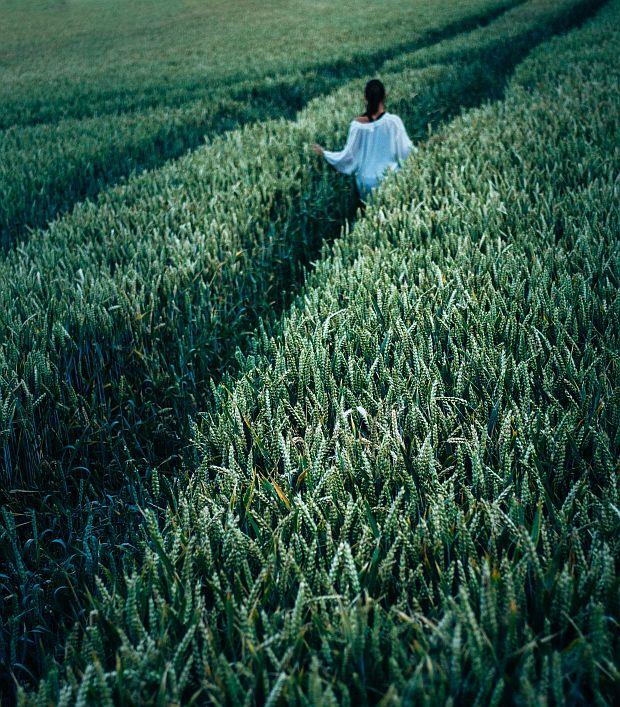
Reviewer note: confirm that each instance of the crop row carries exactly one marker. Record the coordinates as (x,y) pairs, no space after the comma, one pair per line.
(114,69)
(46,168)
(164,276)
(115,319)
(411,492)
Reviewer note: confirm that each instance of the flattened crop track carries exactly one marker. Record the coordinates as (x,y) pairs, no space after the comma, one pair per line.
(117,318)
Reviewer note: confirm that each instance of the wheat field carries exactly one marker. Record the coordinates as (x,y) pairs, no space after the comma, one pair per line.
(260,447)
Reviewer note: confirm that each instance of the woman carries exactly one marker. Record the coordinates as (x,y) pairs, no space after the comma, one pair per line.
(377,143)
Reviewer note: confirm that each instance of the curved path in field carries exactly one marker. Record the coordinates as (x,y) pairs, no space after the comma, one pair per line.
(45,169)
(104,465)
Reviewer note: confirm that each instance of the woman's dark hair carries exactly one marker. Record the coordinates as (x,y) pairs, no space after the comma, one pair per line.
(374,93)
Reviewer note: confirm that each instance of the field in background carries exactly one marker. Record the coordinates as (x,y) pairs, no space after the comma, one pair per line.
(433,370)
(93,91)
(85,57)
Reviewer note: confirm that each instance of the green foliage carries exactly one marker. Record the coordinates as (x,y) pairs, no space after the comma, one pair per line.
(409,492)
(83,107)
(126,308)
(116,318)
(108,56)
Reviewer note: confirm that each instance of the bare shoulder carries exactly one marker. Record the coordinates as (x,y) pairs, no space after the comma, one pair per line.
(361,119)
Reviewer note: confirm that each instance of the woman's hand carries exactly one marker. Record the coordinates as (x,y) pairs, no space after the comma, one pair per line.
(318,150)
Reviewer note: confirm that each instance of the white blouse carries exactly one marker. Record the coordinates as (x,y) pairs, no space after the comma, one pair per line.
(372,150)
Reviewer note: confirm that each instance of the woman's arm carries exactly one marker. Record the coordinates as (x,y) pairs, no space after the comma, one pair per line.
(403,142)
(345,161)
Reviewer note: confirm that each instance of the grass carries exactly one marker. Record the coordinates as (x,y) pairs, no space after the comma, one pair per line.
(79,59)
(85,105)
(408,492)
(119,320)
